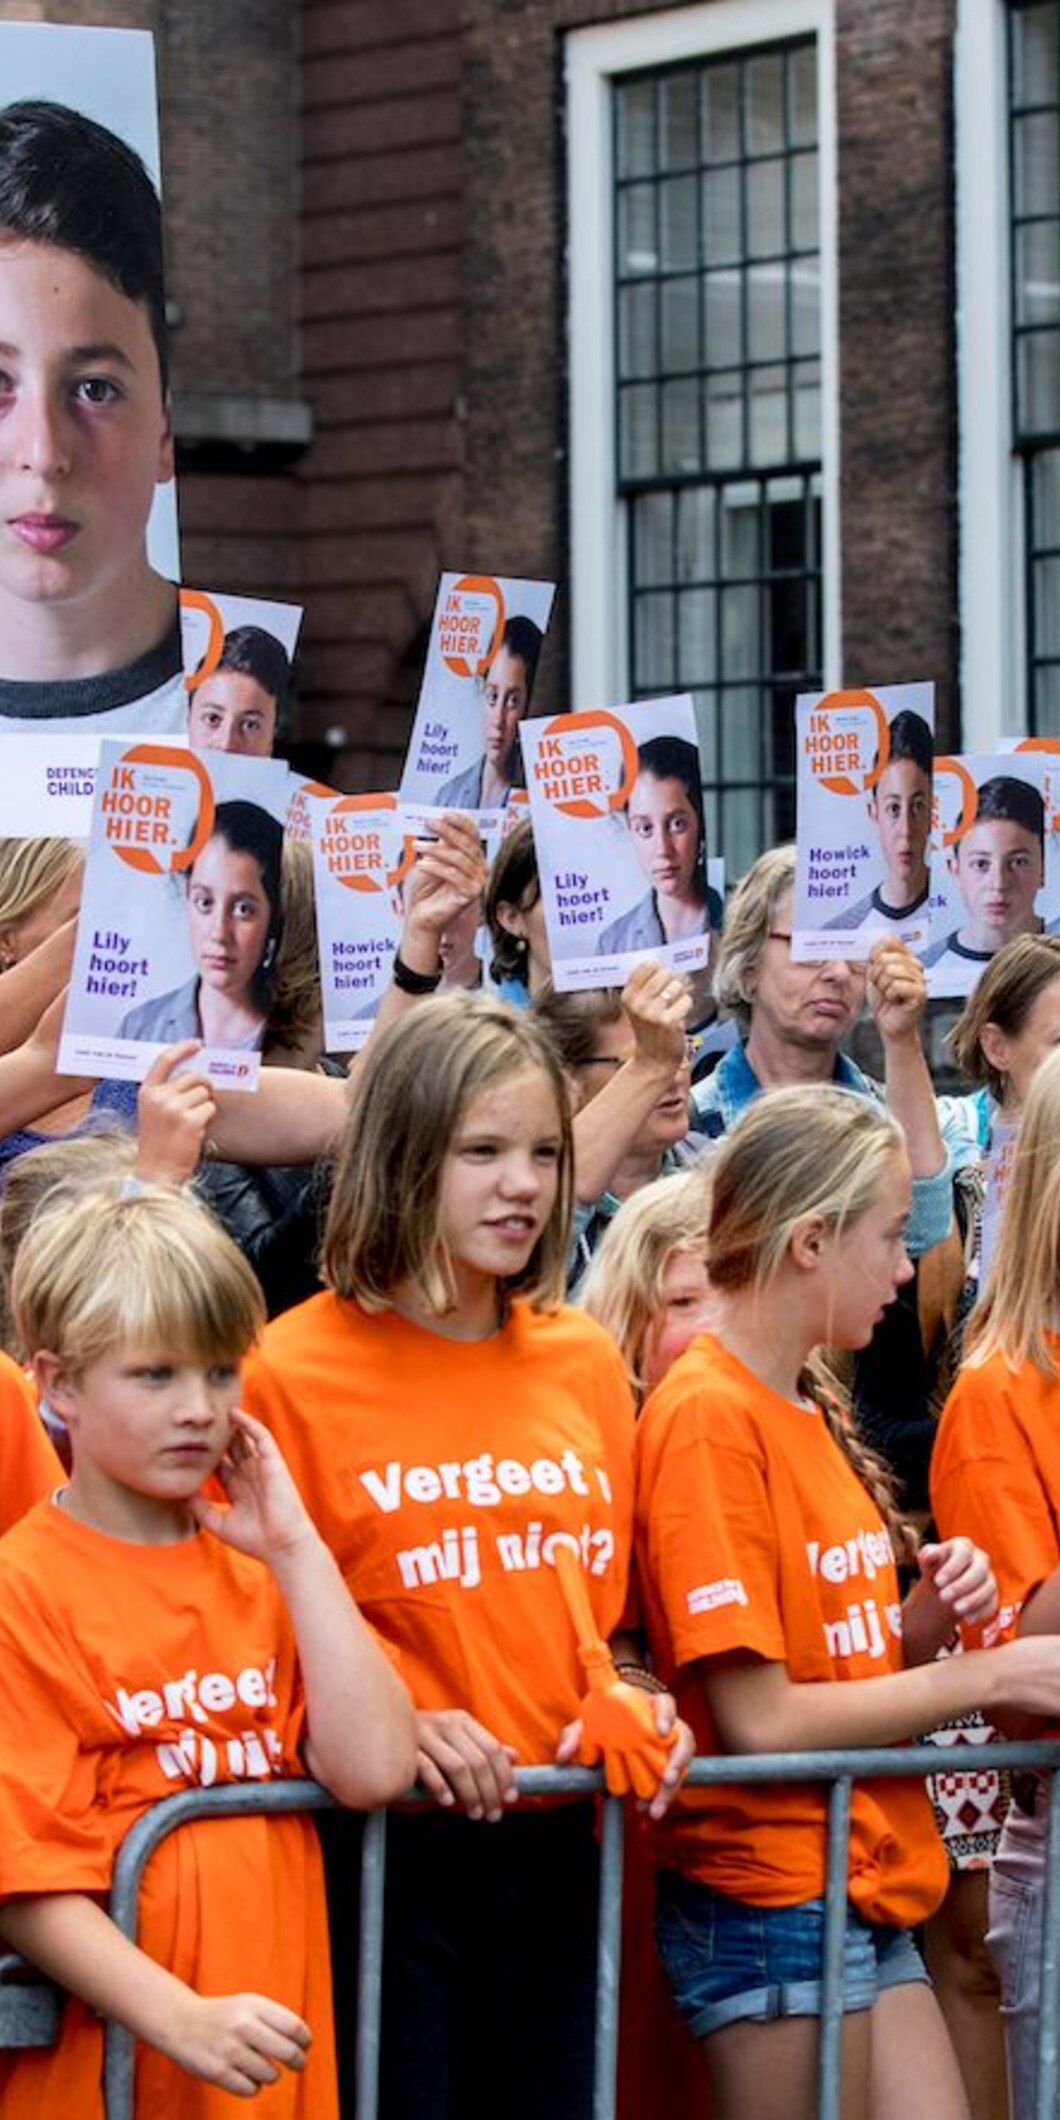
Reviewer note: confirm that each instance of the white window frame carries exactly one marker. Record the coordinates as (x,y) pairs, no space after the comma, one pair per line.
(598,519)
(991,555)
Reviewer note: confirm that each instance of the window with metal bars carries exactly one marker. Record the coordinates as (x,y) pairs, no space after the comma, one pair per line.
(718,442)
(1034,191)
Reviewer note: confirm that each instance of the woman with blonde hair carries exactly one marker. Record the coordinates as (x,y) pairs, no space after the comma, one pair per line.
(449,1424)
(40,889)
(767,1544)
(997,1466)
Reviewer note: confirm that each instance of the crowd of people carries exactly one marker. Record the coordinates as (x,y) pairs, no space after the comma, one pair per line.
(305,1390)
(310,1397)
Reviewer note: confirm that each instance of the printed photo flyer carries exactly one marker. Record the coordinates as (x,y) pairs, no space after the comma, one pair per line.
(996,872)
(485,644)
(181,926)
(863,792)
(617,807)
(361,857)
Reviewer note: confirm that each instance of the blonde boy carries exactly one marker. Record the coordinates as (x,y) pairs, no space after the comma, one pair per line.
(153,1639)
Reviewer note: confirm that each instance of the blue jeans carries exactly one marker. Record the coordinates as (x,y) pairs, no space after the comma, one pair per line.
(726,1961)
(1014,1940)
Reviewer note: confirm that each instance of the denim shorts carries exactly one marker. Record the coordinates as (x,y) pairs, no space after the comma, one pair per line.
(726,1961)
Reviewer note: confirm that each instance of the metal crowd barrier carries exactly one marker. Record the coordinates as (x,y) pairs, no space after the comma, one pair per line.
(838,1768)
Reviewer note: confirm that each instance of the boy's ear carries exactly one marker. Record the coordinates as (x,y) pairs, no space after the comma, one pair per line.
(53,1380)
(167,465)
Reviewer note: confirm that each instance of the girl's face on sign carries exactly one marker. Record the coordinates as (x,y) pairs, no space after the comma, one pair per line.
(228,918)
(664,829)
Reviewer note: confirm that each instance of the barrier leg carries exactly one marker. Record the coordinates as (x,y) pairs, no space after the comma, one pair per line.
(1048,1998)
(370,1968)
(835,1917)
(609,1961)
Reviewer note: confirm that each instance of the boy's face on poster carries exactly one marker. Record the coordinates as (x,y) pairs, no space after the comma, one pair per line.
(665,831)
(998,869)
(900,809)
(505,698)
(84,428)
(229,917)
(230,711)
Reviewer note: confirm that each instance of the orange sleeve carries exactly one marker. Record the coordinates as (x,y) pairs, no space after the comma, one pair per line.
(711,1545)
(29,1465)
(989,1483)
(52,1832)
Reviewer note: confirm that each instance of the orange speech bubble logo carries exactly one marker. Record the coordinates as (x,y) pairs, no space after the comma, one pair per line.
(955,769)
(197,600)
(141,857)
(572,798)
(363,880)
(456,657)
(836,702)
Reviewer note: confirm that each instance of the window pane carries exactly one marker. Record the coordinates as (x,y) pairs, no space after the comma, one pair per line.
(766,314)
(697,622)
(805,294)
(637,248)
(680,428)
(678,225)
(1047,606)
(723,407)
(1046,697)
(804,217)
(802,96)
(1038,273)
(680,325)
(722,229)
(638,445)
(695,534)
(765,105)
(806,408)
(1035,42)
(1038,382)
(654,644)
(1046,490)
(638,353)
(724,320)
(1036,146)
(678,139)
(635,129)
(765,209)
(653,533)
(721,113)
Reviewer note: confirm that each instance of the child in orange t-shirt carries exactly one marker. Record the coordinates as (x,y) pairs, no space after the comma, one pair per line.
(450,1426)
(153,1639)
(29,1463)
(766,1561)
(996,1464)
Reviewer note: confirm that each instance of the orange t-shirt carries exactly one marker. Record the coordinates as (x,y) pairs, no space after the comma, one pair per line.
(129,1673)
(29,1463)
(754,1534)
(995,1475)
(442,1473)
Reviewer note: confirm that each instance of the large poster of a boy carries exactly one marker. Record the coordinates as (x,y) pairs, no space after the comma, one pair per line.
(1000,866)
(89,636)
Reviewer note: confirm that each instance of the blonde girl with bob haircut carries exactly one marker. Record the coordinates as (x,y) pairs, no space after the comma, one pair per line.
(449,1423)
(997,1464)
(766,1557)
(160,1632)
(647,1283)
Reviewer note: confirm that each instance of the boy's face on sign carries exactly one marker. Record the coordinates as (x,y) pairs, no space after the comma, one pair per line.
(230,711)
(998,867)
(84,431)
(901,811)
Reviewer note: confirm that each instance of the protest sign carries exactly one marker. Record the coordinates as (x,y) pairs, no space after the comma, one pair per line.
(181,918)
(361,857)
(995,873)
(617,806)
(863,789)
(237,653)
(482,659)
